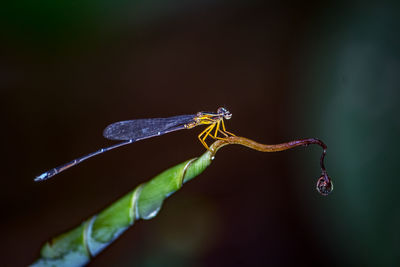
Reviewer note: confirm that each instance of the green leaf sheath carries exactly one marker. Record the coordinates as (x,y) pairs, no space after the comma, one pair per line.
(77,246)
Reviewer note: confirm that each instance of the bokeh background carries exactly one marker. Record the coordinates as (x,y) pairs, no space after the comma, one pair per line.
(325,69)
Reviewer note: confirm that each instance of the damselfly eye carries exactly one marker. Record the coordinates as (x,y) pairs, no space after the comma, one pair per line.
(225,113)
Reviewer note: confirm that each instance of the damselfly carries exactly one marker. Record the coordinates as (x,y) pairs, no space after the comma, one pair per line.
(135,130)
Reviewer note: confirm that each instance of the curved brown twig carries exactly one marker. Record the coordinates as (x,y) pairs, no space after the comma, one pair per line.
(324,183)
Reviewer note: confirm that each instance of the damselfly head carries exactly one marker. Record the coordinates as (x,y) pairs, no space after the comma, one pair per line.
(225,113)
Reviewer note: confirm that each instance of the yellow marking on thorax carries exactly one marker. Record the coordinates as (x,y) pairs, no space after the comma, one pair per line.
(207,119)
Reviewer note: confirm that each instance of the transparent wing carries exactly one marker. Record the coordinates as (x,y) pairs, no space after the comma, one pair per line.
(145,128)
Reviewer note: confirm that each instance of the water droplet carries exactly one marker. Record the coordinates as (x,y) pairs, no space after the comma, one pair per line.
(212,158)
(151,214)
(324,185)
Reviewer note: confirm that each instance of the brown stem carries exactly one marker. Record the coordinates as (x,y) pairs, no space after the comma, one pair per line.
(324,185)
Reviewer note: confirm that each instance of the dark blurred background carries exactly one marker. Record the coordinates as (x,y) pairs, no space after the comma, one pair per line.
(329,70)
